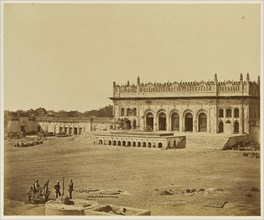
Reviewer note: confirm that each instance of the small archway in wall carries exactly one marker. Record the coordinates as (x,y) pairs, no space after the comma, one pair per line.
(202,122)
(162,121)
(160,145)
(128,144)
(119,143)
(221,127)
(139,144)
(149,144)
(188,122)
(114,143)
(175,121)
(236,127)
(124,143)
(144,144)
(134,143)
(109,142)
(100,141)
(149,121)
(75,130)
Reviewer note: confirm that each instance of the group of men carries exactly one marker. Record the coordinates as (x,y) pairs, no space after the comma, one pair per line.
(57,189)
(36,187)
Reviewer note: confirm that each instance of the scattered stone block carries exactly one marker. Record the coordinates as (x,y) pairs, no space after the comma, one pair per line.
(215,203)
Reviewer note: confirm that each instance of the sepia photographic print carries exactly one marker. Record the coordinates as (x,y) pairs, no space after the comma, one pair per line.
(126,109)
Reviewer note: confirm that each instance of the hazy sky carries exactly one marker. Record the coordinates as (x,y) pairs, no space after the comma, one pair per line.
(61,56)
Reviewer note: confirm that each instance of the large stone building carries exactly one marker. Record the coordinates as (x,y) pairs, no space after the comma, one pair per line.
(212,106)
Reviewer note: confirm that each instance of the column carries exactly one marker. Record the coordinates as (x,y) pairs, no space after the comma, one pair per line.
(241,120)
(155,122)
(232,112)
(168,123)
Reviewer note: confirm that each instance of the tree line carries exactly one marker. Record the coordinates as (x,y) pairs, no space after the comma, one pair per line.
(106,111)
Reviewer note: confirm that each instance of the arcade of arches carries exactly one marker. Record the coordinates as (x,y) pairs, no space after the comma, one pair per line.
(187,121)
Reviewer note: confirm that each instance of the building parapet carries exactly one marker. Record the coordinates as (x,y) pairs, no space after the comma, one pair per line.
(181,89)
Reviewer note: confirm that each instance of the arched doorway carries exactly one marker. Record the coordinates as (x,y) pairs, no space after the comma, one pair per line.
(236,127)
(109,142)
(202,122)
(162,121)
(188,122)
(127,124)
(160,145)
(175,119)
(100,141)
(149,121)
(221,127)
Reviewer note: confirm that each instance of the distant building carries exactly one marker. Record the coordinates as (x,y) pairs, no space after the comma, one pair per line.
(21,122)
(212,106)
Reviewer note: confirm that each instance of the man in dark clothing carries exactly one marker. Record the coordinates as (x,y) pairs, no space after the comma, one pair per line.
(57,189)
(70,188)
(36,186)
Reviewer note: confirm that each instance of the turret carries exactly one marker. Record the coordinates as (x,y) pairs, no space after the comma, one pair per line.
(241,78)
(247,77)
(138,81)
(114,90)
(138,84)
(215,82)
(247,84)
(241,83)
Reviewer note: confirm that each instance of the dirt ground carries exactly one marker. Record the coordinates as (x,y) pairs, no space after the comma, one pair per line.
(143,174)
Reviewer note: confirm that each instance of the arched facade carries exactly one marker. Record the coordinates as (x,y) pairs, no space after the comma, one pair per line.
(189,106)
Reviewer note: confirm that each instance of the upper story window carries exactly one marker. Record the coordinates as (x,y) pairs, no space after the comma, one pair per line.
(220,113)
(236,113)
(122,112)
(134,112)
(228,113)
(129,112)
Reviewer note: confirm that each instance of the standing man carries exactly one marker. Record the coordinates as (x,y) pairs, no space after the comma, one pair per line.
(70,188)
(57,189)
(36,186)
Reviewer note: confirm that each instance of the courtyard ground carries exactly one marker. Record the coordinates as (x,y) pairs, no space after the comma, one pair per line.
(144,175)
